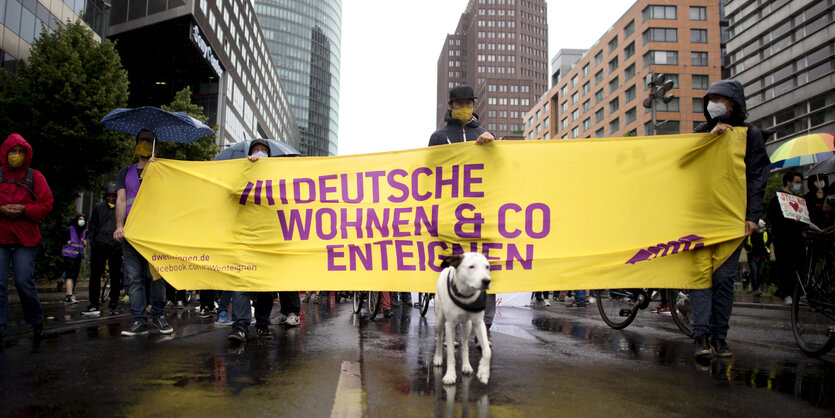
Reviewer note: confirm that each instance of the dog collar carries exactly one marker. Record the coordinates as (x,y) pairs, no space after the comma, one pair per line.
(478,305)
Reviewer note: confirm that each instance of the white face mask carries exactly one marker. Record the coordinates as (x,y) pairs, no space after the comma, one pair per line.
(820,184)
(81,223)
(796,187)
(716,109)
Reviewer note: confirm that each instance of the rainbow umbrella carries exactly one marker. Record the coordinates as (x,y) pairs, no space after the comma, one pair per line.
(803,150)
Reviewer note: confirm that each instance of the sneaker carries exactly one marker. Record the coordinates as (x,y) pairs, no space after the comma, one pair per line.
(547,302)
(137,328)
(169,304)
(576,305)
(264,333)
(114,309)
(278,320)
(592,299)
(37,333)
(205,312)
(162,324)
(702,346)
(720,348)
(180,304)
(292,320)
(70,300)
(307,297)
(91,311)
(787,300)
(223,319)
(237,335)
(387,313)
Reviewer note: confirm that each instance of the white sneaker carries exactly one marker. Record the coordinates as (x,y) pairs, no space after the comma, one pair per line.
(592,299)
(292,320)
(280,319)
(787,300)
(547,303)
(180,304)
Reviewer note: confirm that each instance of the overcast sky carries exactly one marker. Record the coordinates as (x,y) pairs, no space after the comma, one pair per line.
(389,63)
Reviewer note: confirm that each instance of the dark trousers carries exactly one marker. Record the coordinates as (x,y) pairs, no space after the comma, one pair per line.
(173,294)
(242,315)
(290,302)
(757,266)
(99,255)
(790,257)
(207,299)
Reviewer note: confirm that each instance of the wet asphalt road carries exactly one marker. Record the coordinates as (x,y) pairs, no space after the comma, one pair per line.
(546,362)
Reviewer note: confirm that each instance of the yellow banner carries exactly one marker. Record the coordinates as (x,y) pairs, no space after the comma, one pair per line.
(638,212)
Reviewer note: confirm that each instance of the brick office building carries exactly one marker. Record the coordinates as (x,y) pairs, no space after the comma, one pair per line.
(500,48)
(602,95)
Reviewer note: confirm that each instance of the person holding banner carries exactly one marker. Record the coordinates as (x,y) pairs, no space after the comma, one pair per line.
(135,268)
(725,109)
(462,125)
(789,243)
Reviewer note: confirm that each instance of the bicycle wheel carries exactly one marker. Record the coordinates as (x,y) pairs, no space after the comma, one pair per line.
(423,300)
(618,307)
(357,299)
(105,289)
(679,300)
(374,302)
(812,314)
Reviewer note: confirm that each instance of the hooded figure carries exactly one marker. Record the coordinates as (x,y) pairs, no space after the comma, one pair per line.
(725,109)
(462,123)
(259,142)
(25,199)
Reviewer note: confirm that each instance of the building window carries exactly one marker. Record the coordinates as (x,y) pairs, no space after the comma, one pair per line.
(698,59)
(575,114)
(700,82)
(575,132)
(614,126)
(564,123)
(629,72)
(545,123)
(586,124)
(613,44)
(698,36)
(698,13)
(668,107)
(698,105)
(586,106)
(586,88)
(598,116)
(586,69)
(613,65)
(660,58)
(631,115)
(598,96)
(599,133)
(629,51)
(545,108)
(564,107)
(613,85)
(629,29)
(598,77)
(660,35)
(630,94)
(659,12)
(598,58)
(574,81)
(538,114)
(574,98)
(614,105)
(564,91)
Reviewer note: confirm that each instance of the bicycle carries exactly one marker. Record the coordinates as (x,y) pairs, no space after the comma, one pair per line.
(619,307)
(423,302)
(813,299)
(373,303)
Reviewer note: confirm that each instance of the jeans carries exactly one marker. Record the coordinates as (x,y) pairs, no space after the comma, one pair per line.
(490,310)
(22,261)
(223,301)
(136,273)
(712,307)
(242,314)
(757,266)
(290,302)
(580,296)
(99,254)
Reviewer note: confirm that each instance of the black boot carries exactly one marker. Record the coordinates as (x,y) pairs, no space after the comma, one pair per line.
(702,347)
(720,348)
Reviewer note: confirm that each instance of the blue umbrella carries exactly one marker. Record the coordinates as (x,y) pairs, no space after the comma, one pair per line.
(166,126)
(241,150)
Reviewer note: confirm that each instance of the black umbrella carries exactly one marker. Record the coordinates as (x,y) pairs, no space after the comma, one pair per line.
(241,150)
(824,167)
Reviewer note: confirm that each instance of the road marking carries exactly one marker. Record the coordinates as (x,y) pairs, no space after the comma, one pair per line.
(350,399)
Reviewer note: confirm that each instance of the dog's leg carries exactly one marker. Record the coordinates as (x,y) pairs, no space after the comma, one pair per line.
(438,360)
(466,368)
(483,364)
(449,331)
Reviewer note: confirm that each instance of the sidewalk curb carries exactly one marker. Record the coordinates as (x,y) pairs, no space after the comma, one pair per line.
(770,306)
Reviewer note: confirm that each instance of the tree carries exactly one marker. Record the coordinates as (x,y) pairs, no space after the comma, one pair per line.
(56,101)
(202,149)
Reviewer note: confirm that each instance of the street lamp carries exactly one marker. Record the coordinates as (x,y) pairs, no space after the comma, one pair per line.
(658,88)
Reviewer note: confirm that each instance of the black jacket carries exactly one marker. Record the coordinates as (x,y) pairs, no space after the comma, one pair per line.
(102,224)
(757,163)
(455,131)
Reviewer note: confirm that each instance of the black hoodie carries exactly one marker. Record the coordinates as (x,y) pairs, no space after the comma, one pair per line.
(757,163)
(455,131)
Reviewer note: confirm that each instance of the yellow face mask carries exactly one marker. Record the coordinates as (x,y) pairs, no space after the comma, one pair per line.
(16,160)
(143,149)
(463,114)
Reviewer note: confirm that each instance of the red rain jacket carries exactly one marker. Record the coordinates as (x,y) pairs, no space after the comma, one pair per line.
(23,230)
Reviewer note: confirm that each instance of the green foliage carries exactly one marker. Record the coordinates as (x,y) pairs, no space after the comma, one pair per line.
(55,101)
(201,150)
(775,183)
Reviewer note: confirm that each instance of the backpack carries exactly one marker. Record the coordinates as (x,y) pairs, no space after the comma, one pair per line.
(29,182)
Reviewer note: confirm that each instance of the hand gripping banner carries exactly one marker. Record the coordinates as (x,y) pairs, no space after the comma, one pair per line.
(657,212)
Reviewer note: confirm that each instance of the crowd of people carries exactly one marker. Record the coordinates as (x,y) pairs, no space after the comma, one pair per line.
(26,200)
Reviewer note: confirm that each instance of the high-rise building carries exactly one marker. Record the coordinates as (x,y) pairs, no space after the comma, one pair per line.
(216,48)
(500,48)
(784,55)
(304,39)
(602,94)
(21,20)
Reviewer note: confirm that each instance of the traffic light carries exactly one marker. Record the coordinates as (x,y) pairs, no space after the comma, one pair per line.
(659,87)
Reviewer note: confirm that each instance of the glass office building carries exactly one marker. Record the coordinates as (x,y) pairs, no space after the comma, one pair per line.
(304,39)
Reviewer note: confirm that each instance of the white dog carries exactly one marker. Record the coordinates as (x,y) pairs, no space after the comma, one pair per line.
(460,299)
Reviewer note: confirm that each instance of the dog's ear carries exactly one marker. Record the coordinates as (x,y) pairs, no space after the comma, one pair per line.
(452,261)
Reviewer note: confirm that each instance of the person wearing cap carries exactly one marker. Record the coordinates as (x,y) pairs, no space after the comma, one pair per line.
(25,200)
(757,247)
(104,249)
(725,109)
(136,269)
(462,124)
